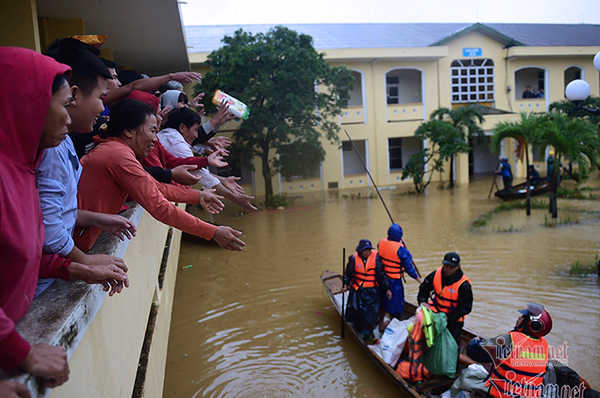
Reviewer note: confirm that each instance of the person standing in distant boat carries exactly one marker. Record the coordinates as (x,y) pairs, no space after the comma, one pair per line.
(505,172)
(364,277)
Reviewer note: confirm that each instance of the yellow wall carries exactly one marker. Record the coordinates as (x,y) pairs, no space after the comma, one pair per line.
(19,25)
(106,361)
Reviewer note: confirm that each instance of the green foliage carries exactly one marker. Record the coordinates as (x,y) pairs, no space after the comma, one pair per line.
(579,269)
(446,138)
(527,131)
(300,158)
(554,223)
(276,75)
(577,111)
(276,201)
(576,193)
(482,220)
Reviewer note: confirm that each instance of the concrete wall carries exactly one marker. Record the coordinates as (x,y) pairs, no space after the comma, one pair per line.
(104,336)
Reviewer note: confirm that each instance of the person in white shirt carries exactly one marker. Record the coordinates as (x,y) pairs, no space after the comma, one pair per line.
(181,129)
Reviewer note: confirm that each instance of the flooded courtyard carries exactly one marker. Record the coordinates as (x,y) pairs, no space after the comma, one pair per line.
(259,324)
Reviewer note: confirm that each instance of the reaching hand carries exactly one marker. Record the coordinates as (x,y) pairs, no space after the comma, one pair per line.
(164,112)
(49,362)
(420,280)
(214,159)
(195,102)
(12,389)
(227,238)
(115,225)
(210,201)
(112,275)
(222,116)
(231,184)
(186,77)
(218,142)
(388,294)
(244,201)
(181,174)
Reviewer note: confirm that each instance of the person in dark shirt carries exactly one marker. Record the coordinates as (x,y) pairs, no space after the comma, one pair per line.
(527,93)
(452,293)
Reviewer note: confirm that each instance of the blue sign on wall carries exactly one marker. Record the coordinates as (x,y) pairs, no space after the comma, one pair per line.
(471,52)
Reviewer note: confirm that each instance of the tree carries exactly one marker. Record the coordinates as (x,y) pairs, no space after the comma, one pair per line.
(293,95)
(574,138)
(526,132)
(464,120)
(444,142)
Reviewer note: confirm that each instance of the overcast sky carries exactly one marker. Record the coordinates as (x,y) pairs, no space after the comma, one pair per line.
(241,12)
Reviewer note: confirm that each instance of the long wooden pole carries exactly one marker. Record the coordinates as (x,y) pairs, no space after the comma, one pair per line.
(494,182)
(343,333)
(378,193)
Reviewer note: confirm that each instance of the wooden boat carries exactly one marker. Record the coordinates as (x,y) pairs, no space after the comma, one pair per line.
(438,384)
(520,191)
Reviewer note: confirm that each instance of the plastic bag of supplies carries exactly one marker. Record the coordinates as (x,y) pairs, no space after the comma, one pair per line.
(392,342)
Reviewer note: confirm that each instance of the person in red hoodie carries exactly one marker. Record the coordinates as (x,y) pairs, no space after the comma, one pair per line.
(35,95)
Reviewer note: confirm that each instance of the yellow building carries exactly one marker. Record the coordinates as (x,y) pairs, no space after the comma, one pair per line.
(403,72)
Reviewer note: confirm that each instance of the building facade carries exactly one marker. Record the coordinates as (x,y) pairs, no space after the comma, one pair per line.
(403,72)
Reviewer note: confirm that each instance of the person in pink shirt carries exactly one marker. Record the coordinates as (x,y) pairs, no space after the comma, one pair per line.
(112,171)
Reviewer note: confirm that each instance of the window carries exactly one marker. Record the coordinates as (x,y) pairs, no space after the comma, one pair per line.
(393,89)
(472,80)
(395,153)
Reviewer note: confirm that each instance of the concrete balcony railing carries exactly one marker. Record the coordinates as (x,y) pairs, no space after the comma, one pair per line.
(537,105)
(117,346)
(353,115)
(405,112)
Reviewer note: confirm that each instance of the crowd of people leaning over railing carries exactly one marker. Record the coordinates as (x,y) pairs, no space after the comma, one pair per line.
(75,144)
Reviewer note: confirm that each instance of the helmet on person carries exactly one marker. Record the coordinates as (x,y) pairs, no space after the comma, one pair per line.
(537,321)
(395,232)
(550,152)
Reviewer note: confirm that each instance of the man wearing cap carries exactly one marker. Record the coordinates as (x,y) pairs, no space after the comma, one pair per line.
(520,357)
(452,293)
(365,278)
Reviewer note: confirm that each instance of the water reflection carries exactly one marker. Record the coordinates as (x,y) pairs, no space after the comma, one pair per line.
(258,323)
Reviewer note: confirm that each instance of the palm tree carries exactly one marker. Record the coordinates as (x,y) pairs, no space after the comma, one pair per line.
(576,139)
(526,132)
(465,120)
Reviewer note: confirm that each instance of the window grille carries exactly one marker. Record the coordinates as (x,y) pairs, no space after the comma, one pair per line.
(472,80)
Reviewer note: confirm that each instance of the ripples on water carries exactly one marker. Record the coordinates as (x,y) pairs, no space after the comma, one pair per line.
(258,323)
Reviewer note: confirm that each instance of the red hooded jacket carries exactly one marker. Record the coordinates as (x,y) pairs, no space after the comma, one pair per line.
(26,79)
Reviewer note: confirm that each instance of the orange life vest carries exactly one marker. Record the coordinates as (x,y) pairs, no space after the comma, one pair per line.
(364,274)
(522,373)
(413,370)
(388,251)
(446,297)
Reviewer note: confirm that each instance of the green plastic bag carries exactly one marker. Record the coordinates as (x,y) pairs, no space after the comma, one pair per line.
(442,358)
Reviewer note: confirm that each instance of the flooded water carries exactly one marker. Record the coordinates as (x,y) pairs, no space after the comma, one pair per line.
(258,323)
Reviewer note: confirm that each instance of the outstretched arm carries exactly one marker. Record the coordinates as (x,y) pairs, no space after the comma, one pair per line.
(147,85)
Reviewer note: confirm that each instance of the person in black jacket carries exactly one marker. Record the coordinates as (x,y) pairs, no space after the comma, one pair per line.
(452,293)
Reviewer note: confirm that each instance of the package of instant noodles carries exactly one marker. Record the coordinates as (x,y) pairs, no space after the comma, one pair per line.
(236,107)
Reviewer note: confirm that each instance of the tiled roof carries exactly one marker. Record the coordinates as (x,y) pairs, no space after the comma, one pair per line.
(399,35)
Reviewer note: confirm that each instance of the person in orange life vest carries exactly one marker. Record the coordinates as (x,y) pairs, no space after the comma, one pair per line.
(452,293)
(364,278)
(394,258)
(520,357)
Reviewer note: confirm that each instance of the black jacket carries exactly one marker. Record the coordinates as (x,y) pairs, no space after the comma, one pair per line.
(465,294)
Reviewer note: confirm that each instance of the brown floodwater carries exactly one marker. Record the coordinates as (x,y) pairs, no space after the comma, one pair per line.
(258,323)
